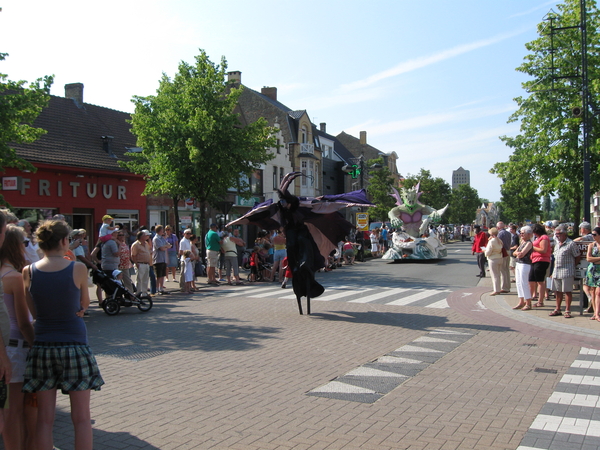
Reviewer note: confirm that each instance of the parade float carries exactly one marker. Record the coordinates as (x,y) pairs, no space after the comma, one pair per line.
(411,218)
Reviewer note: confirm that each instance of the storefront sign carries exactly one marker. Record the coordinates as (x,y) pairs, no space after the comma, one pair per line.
(239,201)
(73,189)
(362,221)
(11,183)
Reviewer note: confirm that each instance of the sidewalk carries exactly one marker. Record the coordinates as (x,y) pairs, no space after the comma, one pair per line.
(578,324)
(212,371)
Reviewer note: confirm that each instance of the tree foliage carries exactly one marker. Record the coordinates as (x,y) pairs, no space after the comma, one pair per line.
(193,144)
(436,191)
(464,202)
(380,188)
(519,203)
(20,104)
(547,154)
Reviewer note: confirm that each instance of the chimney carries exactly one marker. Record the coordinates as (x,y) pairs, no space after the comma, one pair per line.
(74,91)
(363,137)
(323,127)
(270,92)
(235,77)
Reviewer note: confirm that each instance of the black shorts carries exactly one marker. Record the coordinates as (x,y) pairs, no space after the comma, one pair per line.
(160,270)
(538,271)
(254,270)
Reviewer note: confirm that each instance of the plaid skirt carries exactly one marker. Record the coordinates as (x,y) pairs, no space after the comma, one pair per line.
(65,365)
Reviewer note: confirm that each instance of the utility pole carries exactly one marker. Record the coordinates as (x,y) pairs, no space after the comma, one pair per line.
(585,103)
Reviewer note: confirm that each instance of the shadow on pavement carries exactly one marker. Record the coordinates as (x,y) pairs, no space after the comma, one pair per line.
(64,436)
(411,321)
(171,328)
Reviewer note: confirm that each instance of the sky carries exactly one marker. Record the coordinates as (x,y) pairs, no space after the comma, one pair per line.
(433,80)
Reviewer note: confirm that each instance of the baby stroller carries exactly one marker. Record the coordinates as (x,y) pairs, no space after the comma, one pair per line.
(261,268)
(118,295)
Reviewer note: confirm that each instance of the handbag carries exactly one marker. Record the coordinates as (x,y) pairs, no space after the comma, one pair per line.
(504,252)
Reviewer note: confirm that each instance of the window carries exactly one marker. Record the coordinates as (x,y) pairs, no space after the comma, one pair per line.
(281,175)
(304,172)
(279,146)
(256,184)
(304,135)
(275,183)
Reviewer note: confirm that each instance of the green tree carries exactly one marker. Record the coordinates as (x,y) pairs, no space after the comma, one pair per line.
(379,188)
(463,205)
(20,104)
(436,191)
(519,202)
(547,156)
(193,144)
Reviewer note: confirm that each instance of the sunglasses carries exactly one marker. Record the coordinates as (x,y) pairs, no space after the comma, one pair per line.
(594,234)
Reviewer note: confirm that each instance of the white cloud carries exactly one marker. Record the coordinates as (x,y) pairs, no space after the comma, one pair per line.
(423,61)
(429,120)
(537,8)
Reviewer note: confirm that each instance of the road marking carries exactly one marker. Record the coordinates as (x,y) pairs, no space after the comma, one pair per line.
(581,379)
(439,305)
(415,297)
(371,381)
(342,388)
(370,372)
(567,414)
(379,295)
(567,398)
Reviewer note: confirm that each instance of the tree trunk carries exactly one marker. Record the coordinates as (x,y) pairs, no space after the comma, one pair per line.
(203,230)
(175,199)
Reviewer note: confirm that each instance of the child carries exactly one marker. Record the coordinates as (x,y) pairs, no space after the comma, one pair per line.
(288,272)
(254,263)
(118,276)
(188,272)
(106,230)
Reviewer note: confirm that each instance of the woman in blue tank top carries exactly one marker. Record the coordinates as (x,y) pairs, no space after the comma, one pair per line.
(57,295)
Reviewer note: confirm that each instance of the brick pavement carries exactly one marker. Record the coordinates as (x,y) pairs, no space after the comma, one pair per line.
(233,373)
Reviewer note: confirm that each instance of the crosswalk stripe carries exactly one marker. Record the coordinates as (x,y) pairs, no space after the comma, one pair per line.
(379,295)
(415,349)
(569,425)
(415,297)
(430,339)
(342,294)
(338,387)
(567,398)
(580,364)
(370,372)
(439,305)
(396,360)
(244,291)
(581,379)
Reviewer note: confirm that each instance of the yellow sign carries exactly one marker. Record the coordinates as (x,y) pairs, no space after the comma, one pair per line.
(362,221)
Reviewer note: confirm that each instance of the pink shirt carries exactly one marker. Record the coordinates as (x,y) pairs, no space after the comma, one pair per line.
(536,256)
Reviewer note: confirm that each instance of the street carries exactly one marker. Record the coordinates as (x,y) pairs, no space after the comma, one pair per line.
(394,356)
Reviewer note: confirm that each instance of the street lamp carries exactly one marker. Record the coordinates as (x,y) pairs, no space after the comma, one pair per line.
(357,169)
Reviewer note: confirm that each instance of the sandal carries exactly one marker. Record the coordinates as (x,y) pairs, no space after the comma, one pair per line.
(555,313)
(567,314)
(526,308)
(539,305)
(519,306)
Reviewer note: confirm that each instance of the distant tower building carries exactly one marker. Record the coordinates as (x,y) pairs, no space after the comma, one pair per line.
(460,176)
